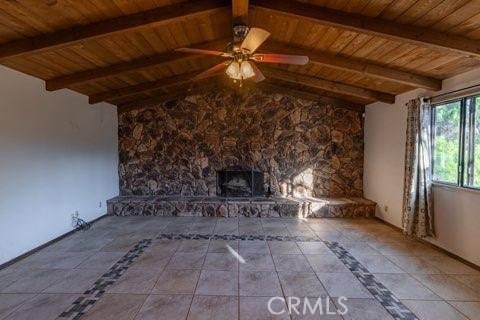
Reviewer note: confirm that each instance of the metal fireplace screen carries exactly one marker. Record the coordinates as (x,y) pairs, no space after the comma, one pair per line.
(240,183)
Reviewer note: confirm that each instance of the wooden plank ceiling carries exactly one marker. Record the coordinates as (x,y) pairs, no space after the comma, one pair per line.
(122,52)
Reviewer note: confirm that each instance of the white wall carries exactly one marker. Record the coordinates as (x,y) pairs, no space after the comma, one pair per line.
(57,155)
(457,215)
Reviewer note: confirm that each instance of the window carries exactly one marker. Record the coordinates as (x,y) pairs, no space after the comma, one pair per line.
(472,145)
(456,142)
(475,162)
(446,137)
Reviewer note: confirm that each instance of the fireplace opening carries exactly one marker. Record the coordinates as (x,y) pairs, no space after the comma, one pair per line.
(235,182)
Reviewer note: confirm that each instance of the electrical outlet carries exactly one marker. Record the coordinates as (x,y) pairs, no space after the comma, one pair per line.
(385,208)
(100,204)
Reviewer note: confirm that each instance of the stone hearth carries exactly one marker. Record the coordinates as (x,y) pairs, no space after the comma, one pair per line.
(235,207)
(202,206)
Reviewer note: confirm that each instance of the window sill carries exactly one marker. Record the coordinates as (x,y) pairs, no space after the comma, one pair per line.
(455,188)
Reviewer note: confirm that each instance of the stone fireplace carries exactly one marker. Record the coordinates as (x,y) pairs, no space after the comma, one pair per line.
(211,154)
(240,182)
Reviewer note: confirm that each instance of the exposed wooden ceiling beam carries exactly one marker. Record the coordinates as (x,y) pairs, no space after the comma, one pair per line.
(328,85)
(126,67)
(270,85)
(107,27)
(148,102)
(113,70)
(358,66)
(240,11)
(317,91)
(142,87)
(374,26)
(174,93)
(278,87)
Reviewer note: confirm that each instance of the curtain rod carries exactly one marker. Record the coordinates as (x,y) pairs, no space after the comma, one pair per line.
(452,93)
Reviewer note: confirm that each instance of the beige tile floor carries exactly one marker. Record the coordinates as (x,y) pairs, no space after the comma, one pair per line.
(203,279)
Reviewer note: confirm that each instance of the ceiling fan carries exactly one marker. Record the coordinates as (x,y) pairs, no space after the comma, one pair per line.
(242,57)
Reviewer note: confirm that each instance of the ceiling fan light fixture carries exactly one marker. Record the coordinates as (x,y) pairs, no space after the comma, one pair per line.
(242,59)
(246,70)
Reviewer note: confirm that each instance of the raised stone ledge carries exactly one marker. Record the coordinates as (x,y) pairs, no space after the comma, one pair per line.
(349,207)
(202,206)
(240,207)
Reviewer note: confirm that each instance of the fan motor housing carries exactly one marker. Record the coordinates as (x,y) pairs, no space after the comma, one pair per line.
(240,32)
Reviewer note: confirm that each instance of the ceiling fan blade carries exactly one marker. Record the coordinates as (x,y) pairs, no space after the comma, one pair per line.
(280,58)
(203,51)
(210,72)
(258,74)
(255,37)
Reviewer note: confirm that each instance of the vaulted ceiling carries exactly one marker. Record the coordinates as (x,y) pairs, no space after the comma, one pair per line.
(122,51)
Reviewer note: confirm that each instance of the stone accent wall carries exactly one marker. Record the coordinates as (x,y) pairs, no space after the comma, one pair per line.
(304,148)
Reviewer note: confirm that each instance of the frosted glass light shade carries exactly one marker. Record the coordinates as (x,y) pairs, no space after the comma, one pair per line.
(233,70)
(246,70)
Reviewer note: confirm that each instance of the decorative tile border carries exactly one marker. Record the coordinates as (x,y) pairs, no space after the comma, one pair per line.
(83,303)
(388,300)
(197,236)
